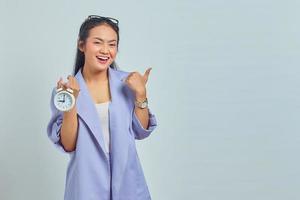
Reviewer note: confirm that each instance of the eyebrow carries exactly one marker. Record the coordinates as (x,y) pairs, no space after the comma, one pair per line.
(103,40)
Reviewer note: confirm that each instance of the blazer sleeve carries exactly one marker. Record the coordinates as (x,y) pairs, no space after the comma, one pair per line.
(139,131)
(54,125)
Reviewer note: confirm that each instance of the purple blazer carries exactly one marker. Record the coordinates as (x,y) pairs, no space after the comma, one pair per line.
(90,175)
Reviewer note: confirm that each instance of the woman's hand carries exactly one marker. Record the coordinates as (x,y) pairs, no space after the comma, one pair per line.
(72,84)
(137,83)
(68,133)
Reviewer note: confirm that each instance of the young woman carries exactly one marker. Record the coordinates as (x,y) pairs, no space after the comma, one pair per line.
(99,132)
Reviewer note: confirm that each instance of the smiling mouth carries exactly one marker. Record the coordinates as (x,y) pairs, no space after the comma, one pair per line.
(102,58)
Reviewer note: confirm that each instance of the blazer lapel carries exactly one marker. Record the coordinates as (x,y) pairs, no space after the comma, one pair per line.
(118,128)
(87,111)
(119,135)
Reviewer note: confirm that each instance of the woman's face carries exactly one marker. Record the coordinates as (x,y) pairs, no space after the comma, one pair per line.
(100,48)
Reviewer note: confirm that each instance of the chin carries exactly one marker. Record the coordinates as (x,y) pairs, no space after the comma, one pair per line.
(101,68)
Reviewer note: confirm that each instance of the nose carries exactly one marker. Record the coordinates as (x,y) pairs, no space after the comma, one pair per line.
(104,49)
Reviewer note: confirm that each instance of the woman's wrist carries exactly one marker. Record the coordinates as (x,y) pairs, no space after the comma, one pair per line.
(140,96)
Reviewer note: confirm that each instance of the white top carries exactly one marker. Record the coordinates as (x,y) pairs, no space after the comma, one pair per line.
(102,109)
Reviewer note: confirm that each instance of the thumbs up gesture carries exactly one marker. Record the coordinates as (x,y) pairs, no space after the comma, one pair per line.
(137,83)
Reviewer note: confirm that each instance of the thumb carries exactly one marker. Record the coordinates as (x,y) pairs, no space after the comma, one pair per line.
(146,75)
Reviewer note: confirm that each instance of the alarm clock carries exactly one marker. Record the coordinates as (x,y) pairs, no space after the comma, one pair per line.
(64,100)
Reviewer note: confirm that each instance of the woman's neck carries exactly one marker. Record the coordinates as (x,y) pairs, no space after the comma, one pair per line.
(97,84)
(92,77)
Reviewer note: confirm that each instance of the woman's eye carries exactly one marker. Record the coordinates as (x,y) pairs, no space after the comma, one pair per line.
(112,45)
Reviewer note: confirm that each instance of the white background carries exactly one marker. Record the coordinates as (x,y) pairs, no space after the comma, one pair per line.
(224,88)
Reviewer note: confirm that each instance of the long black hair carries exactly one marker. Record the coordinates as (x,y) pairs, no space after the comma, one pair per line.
(84,30)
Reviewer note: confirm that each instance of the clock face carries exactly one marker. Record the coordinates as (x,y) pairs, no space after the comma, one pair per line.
(64,101)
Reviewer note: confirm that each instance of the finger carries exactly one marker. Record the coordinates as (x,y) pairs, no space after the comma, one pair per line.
(59,83)
(65,85)
(146,75)
(125,79)
(131,74)
(69,77)
(72,83)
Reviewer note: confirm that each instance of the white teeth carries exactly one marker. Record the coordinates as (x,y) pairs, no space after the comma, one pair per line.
(104,58)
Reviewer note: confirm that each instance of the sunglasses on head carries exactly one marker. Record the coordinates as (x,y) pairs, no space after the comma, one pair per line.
(115,21)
